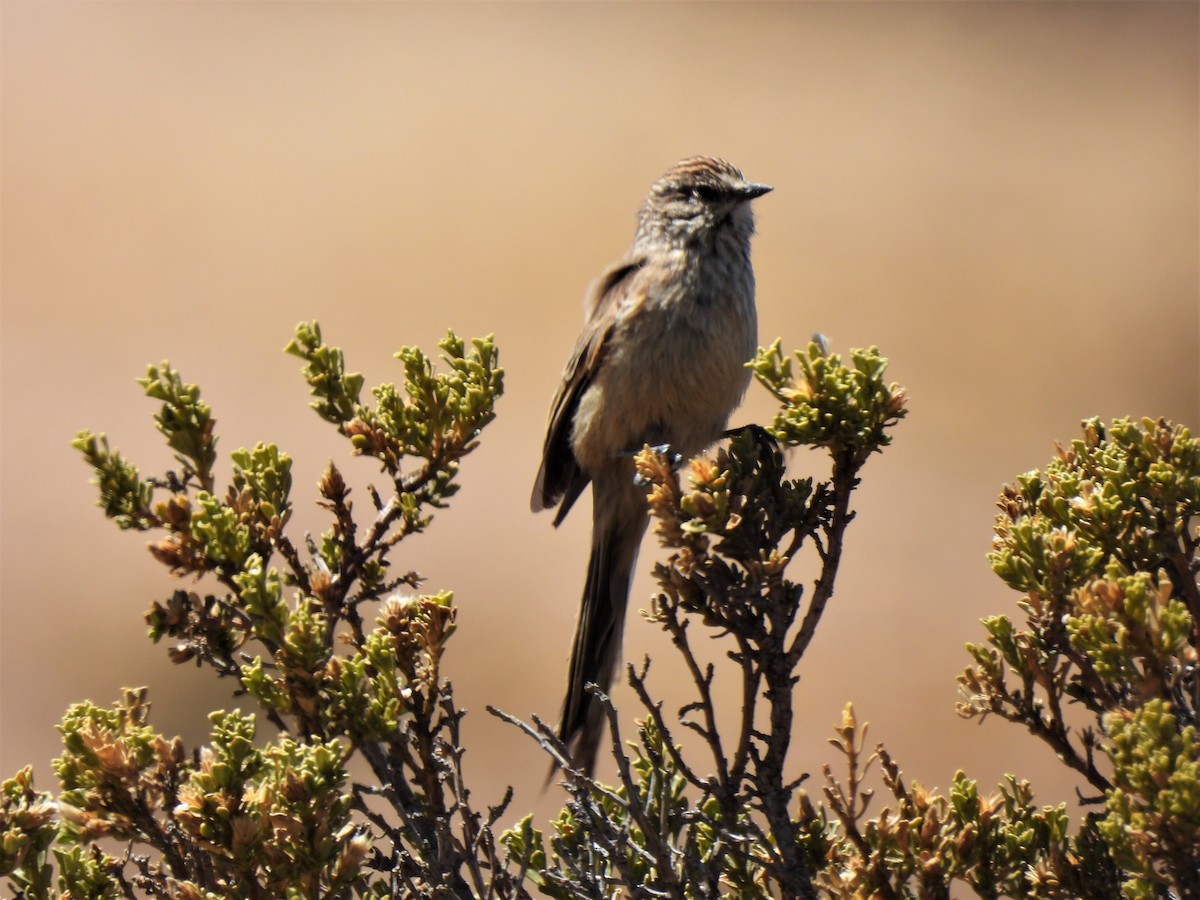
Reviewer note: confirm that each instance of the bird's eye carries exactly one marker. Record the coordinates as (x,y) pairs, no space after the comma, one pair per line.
(705,192)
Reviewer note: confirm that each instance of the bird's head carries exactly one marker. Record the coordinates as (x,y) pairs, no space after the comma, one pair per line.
(696,198)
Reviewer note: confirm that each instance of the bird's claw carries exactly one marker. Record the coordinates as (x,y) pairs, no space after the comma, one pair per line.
(767,443)
(674,459)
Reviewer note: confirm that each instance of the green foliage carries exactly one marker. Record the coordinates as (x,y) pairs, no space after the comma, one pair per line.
(619,839)
(1131,629)
(115,770)
(1124,492)
(31,832)
(845,408)
(221,530)
(1103,546)
(274,819)
(87,872)
(337,393)
(435,417)
(343,657)
(185,420)
(998,845)
(124,496)
(241,817)
(669,828)
(27,831)
(268,820)
(1153,822)
(262,483)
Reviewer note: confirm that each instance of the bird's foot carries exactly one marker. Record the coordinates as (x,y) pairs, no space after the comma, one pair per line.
(674,459)
(767,443)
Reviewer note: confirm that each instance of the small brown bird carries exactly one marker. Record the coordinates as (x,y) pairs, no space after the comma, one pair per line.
(661,360)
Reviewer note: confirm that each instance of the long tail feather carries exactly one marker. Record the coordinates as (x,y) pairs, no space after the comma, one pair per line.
(619,521)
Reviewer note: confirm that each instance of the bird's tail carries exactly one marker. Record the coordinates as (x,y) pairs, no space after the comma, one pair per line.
(618,523)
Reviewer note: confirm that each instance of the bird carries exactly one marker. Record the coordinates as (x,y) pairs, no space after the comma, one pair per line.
(661,361)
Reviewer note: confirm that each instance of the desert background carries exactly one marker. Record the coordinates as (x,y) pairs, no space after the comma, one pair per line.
(1002,197)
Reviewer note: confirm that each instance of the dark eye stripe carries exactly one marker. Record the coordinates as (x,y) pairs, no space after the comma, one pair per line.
(706,192)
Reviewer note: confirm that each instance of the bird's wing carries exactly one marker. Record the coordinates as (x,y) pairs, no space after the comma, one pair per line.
(559,478)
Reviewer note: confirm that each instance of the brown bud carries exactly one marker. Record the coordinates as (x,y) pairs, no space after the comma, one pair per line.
(332,485)
(181,653)
(176,512)
(966,841)
(320,581)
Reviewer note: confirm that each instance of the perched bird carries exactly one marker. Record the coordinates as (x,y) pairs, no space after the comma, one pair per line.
(661,360)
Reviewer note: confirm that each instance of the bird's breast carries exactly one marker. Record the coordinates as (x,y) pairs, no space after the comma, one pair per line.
(675,368)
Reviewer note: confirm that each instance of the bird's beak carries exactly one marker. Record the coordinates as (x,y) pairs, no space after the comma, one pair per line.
(750,191)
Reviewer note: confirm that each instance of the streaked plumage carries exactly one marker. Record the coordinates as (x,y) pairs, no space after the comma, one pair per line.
(661,360)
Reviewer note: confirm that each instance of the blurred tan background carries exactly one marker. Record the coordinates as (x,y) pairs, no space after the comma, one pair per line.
(1003,197)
